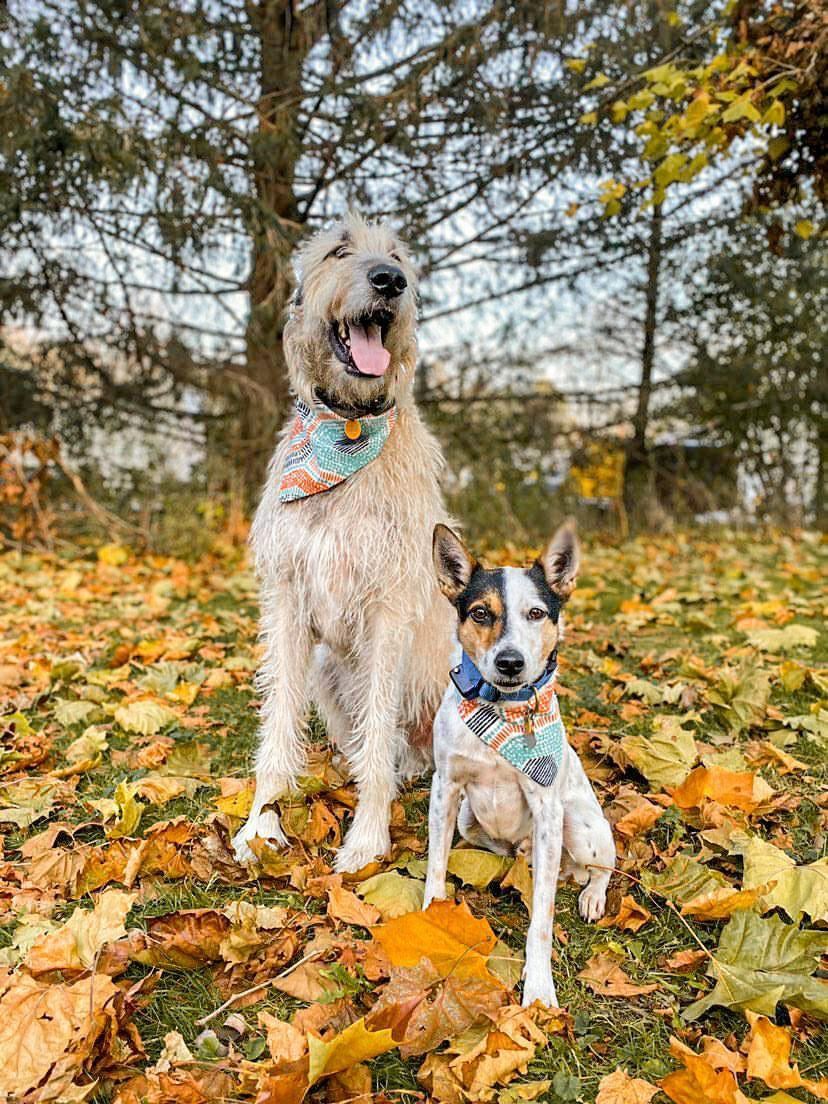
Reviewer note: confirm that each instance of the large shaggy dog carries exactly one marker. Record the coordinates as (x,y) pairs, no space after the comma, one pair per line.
(351,614)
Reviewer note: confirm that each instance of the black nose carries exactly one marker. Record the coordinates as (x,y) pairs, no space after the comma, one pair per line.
(388,280)
(509,662)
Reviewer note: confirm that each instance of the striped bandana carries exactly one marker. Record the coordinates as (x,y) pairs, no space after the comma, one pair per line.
(528,734)
(325,448)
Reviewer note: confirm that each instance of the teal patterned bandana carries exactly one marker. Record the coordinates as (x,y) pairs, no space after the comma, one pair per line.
(528,734)
(325,448)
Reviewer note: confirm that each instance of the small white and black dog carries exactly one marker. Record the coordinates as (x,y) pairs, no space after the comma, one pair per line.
(500,746)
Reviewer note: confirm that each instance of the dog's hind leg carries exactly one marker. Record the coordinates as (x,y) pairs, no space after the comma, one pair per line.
(327,695)
(375,742)
(469,828)
(282,678)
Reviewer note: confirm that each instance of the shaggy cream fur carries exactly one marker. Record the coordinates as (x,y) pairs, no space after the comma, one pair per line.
(351,614)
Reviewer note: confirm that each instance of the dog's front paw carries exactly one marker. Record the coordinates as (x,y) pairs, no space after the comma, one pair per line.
(540,989)
(357,852)
(592,902)
(266,826)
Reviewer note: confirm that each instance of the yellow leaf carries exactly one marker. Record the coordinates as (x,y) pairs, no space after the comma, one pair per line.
(804,229)
(392,894)
(113,554)
(775,115)
(357,1043)
(577,65)
(477,868)
(597,82)
(145,716)
(589,119)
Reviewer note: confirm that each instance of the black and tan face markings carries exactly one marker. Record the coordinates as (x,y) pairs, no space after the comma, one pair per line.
(481,608)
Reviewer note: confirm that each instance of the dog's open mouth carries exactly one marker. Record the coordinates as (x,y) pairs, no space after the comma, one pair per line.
(359,343)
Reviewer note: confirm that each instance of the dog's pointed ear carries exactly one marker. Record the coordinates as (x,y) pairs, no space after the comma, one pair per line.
(561,560)
(452,562)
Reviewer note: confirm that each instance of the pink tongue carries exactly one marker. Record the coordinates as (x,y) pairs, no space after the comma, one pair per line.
(367,350)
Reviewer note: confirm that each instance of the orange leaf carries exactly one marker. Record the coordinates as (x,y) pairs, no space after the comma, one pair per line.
(722,902)
(741,789)
(447,934)
(699,1081)
(769,1058)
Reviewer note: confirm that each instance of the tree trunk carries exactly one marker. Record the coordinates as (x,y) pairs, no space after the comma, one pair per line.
(286,36)
(640,500)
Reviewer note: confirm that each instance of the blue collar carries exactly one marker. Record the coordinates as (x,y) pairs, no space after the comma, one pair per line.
(471,684)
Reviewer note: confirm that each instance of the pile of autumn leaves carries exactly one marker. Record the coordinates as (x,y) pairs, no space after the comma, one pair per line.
(115,662)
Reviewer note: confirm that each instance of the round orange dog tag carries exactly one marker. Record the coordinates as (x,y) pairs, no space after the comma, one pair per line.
(352,429)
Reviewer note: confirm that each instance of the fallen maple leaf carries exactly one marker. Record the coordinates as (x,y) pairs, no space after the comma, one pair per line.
(604,976)
(796,889)
(720,903)
(447,934)
(760,962)
(741,789)
(477,868)
(344,905)
(631,916)
(392,894)
(442,1007)
(638,820)
(620,1088)
(699,1081)
(769,1058)
(75,946)
(49,1029)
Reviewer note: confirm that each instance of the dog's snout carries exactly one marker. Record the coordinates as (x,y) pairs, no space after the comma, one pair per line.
(388,280)
(509,662)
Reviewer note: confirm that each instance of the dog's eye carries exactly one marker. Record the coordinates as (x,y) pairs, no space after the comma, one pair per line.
(536,614)
(340,252)
(396,257)
(480,615)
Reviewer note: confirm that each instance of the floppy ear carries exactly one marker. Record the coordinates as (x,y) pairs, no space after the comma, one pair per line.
(452,562)
(561,560)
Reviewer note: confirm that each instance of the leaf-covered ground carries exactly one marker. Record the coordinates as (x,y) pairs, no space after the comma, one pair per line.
(694,686)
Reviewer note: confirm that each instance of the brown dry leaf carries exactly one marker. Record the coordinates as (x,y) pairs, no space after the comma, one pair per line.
(722,902)
(638,820)
(447,934)
(685,962)
(741,789)
(350,1086)
(620,1088)
(42,1026)
(285,1042)
(769,1058)
(75,946)
(178,1086)
(180,940)
(699,1080)
(344,905)
(604,976)
(631,916)
(306,982)
(441,1007)
(504,1052)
